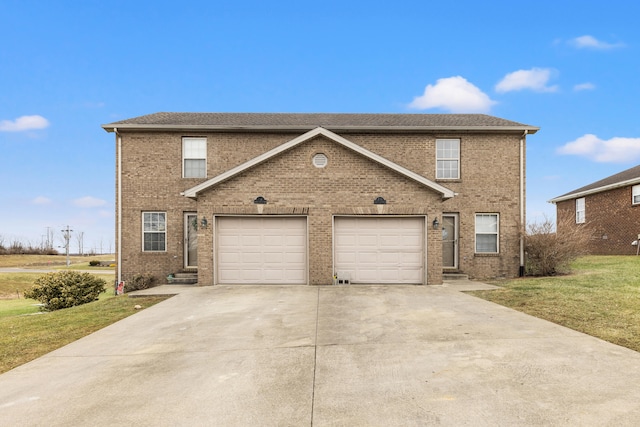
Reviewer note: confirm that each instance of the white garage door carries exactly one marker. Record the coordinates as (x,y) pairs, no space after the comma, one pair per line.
(270,250)
(380,250)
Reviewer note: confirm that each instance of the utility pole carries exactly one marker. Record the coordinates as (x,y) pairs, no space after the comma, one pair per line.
(67,236)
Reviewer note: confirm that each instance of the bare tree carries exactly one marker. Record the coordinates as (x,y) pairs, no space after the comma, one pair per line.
(80,241)
(50,238)
(550,253)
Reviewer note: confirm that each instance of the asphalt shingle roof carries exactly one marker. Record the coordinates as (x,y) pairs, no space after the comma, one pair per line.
(313,120)
(624,176)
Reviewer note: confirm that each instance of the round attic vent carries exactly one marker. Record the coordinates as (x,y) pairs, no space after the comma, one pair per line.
(320,160)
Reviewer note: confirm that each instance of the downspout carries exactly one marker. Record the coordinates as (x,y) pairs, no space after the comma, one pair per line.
(522,203)
(119,211)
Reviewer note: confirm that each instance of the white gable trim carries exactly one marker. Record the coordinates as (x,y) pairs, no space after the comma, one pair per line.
(193,192)
(580,194)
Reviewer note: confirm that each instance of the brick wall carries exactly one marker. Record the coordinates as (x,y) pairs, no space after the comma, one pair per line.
(347,185)
(610,219)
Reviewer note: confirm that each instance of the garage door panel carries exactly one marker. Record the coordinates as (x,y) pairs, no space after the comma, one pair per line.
(273,240)
(380,250)
(261,250)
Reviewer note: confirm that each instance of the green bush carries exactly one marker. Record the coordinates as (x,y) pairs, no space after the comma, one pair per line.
(65,289)
(140,281)
(94,263)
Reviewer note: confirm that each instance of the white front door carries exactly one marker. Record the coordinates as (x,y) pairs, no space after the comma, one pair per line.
(380,249)
(261,250)
(450,241)
(191,240)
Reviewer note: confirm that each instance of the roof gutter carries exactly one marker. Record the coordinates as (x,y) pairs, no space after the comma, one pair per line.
(305,128)
(595,190)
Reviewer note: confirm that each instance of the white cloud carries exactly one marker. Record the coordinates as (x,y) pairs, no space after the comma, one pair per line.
(584,86)
(89,202)
(535,79)
(614,150)
(454,94)
(24,123)
(41,200)
(590,42)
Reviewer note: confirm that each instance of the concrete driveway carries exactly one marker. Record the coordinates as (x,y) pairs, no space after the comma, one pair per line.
(327,356)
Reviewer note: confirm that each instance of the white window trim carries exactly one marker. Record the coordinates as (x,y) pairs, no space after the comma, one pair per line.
(635,195)
(164,232)
(476,233)
(581,208)
(456,159)
(193,138)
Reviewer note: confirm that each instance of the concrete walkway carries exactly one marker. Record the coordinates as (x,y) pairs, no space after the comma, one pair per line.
(327,356)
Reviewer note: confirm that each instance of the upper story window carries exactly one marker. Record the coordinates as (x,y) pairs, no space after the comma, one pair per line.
(194,157)
(154,231)
(580,211)
(486,233)
(635,195)
(447,158)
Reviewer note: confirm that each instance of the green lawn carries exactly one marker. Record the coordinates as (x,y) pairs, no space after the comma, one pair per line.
(13,285)
(45,261)
(27,333)
(600,298)
(24,337)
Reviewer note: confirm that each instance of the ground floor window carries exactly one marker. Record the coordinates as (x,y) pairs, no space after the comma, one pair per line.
(154,231)
(487,233)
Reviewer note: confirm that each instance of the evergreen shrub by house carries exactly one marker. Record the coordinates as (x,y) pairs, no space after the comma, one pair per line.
(65,289)
(140,281)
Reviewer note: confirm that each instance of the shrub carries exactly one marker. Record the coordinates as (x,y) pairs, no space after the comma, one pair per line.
(65,289)
(94,263)
(140,281)
(549,254)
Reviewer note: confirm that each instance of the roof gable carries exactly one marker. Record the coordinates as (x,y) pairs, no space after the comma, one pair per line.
(627,177)
(193,192)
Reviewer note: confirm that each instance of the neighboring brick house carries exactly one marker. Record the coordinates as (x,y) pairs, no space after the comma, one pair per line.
(607,210)
(303,198)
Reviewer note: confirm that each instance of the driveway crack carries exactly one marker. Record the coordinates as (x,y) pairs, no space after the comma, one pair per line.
(315,358)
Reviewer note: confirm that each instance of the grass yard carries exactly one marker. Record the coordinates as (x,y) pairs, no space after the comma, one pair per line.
(13,285)
(26,333)
(600,298)
(43,261)
(27,337)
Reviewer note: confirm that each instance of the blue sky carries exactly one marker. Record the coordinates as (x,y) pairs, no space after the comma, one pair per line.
(66,67)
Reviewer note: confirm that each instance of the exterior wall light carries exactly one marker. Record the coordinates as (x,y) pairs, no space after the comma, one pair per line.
(260,201)
(379,201)
(435,224)
(204,223)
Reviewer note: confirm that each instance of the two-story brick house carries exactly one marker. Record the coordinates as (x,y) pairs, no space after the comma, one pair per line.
(607,210)
(305,198)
